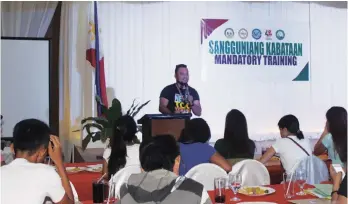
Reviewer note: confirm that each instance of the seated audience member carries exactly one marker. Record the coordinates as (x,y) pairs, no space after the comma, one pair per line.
(123,151)
(194,147)
(325,143)
(236,145)
(159,183)
(26,179)
(292,147)
(337,125)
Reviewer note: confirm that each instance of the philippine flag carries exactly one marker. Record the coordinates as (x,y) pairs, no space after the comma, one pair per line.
(94,55)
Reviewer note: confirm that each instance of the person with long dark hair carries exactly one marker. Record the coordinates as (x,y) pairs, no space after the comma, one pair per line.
(236,145)
(123,151)
(337,125)
(194,147)
(292,147)
(324,144)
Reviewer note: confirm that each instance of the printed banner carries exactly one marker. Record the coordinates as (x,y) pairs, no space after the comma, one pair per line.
(256,50)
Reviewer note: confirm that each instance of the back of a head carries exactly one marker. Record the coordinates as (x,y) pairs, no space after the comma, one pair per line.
(197,130)
(128,126)
(291,123)
(236,127)
(123,131)
(236,132)
(30,135)
(184,137)
(159,153)
(337,126)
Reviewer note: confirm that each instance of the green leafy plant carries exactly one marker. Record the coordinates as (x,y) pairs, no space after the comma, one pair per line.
(103,125)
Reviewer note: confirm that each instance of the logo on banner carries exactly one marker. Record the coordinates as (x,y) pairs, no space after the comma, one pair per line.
(268,34)
(280,34)
(243,33)
(229,33)
(249,44)
(256,33)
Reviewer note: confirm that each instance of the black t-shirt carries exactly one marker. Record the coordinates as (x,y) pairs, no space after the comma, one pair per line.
(176,101)
(343,187)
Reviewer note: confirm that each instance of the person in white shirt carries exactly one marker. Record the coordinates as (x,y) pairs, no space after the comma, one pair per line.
(292,147)
(26,179)
(123,150)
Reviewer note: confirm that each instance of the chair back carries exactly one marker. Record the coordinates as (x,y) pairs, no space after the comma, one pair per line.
(315,168)
(122,176)
(205,174)
(253,172)
(76,196)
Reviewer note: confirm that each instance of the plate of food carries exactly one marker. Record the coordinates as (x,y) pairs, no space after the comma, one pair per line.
(95,168)
(256,190)
(275,158)
(74,169)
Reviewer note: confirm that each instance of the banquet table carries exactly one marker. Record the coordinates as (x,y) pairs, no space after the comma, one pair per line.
(83,180)
(277,197)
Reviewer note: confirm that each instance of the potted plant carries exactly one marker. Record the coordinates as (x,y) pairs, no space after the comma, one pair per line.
(103,125)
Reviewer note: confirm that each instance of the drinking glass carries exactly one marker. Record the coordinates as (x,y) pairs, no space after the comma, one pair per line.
(301,178)
(288,185)
(235,183)
(98,192)
(219,189)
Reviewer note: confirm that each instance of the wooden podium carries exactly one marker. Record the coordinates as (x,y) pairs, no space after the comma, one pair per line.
(157,124)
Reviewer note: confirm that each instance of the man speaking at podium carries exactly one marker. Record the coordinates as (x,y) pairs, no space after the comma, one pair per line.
(180,97)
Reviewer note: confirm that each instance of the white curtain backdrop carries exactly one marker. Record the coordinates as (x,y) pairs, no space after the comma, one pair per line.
(144,41)
(26,18)
(76,82)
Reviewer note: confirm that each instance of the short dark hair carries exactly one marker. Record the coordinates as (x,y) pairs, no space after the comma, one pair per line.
(291,123)
(158,153)
(196,130)
(29,135)
(337,125)
(177,67)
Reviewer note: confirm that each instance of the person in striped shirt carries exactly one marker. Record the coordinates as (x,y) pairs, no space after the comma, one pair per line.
(159,182)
